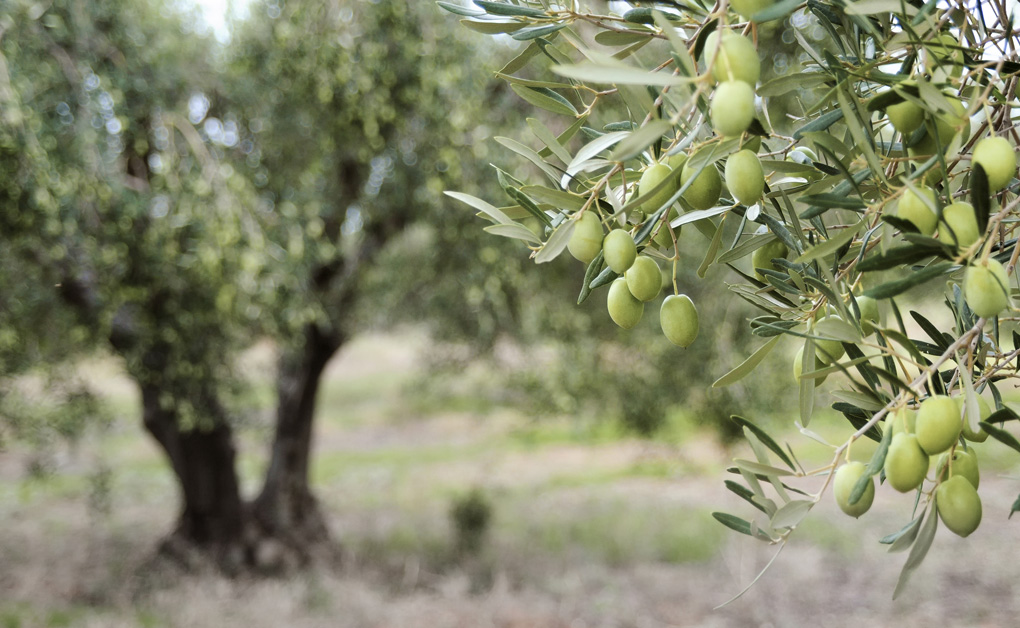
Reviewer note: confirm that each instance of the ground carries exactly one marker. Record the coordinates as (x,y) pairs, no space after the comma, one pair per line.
(590,527)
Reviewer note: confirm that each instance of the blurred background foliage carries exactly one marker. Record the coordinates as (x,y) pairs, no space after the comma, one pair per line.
(157,187)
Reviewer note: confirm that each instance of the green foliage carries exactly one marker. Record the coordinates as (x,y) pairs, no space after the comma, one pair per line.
(856,199)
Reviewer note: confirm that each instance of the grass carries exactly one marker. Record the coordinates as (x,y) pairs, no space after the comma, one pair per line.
(573,499)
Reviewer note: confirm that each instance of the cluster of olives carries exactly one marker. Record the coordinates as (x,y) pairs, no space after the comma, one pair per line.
(933,429)
(641,280)
(986,286)
(733,62)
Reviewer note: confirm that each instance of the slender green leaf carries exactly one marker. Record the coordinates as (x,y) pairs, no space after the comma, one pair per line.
(744,493)
(618,75)
(901,540)
(460,10)
(747,366)
(916,278)
(830,246)
(502,8)
(764,438)
(527,34)
(757,467)
(497,216)
(545,98)
(1001,435)
(515,231)
(919,550)
(489,27)
(792,513)
(556,242)
(733,523)
(820,123)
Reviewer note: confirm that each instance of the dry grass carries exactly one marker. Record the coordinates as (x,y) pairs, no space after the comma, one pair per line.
(587,532)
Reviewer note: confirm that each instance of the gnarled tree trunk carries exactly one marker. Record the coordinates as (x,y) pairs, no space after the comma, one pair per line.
(213,516)
(286,511)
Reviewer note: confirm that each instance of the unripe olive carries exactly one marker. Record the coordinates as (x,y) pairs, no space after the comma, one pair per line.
(619,250)
(644,280)
(679,319)
(736,60)
(798,368)
(959,224)
(651,177)
(732,108)
(906,464)
(938,424)
(986,288)
(829,351)
(915,208)
(745,178)
(984,411)
(586,240)
(996,156)
(947,126)
(964,464)
(752,143)
(677,161)
(762,258)
(623,308)
(747,8)
(958,505)
(869,314)
(705,190)
(902,420)
(843,485)
(906,117)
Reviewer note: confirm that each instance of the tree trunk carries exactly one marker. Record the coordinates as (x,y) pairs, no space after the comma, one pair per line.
(286,510)
(212,519)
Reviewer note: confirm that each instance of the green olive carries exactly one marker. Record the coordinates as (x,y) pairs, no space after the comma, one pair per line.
(906,464)
(704,191)
(959,505)
(938,424)
(946,125)
(762,258)
(916,209)
(984,411)
(644,279)
(843,486)
(745,178)
(959,224)
(986,288)
(651,177)
(623,308)
(732,108)
(829,351)
(798,368)
(996,157)
(679,319)
(586,240)
(748,8)
(619,250)
(906,117)
(902,420)
(736,60)
(964,464)
(869,314)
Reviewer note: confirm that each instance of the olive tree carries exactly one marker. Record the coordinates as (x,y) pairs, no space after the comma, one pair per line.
(863,203)
(175,202)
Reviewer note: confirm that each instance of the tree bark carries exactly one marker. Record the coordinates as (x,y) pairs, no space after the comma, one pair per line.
(286,510)
(212,518)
